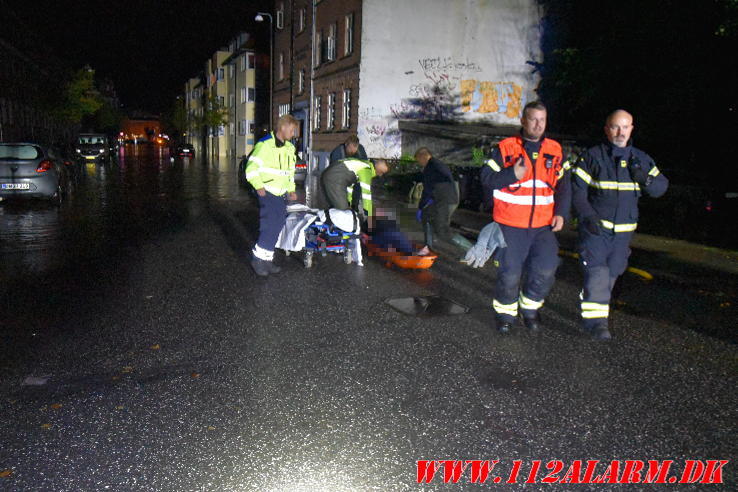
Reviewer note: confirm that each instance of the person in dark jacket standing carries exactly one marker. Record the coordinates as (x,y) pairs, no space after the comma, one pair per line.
(527,177)
(350,148)
(439,197)
(608,181)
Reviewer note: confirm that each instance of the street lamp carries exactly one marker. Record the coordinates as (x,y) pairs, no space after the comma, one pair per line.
(260,18)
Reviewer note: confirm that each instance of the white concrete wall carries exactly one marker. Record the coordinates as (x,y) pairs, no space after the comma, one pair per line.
(467,57)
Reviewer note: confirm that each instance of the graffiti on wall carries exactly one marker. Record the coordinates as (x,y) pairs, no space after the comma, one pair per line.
(491,97)
(378,133)
(446,89)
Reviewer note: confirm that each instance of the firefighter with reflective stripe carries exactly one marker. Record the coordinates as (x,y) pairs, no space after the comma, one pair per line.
(528,181)
(608,180)
(340,178)
(271,171)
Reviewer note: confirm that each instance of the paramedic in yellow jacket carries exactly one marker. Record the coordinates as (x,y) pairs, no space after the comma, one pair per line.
(339,179)
(271,171)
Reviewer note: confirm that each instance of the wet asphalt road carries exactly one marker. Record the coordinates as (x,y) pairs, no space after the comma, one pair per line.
(169,366)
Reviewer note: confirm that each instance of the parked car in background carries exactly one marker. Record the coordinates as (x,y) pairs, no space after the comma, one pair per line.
(300,170)
(93,147)
(29,170)
(182,150)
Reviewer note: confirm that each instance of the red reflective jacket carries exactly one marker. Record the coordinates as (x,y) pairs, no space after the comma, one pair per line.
(529,202)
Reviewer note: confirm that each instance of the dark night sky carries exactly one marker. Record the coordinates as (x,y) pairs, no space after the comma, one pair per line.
(147,48)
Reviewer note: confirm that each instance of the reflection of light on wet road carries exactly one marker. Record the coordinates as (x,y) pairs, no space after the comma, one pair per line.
(111,202)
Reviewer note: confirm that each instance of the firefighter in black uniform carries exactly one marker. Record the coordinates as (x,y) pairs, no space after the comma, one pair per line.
(608,181)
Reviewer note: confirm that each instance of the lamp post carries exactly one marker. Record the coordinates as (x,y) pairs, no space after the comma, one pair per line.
(260,18)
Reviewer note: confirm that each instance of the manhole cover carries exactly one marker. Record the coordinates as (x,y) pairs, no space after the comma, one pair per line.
(426,306)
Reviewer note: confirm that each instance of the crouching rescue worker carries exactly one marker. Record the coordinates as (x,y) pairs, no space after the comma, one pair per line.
(271,171)
(608,180)
(340,178)
(528,179)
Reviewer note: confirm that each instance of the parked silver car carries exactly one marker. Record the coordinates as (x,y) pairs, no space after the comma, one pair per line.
(29,170)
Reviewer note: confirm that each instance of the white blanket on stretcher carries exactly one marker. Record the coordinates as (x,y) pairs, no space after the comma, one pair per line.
(299,218)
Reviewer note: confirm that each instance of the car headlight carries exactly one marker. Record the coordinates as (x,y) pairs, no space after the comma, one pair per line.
(78,151)
(102,151)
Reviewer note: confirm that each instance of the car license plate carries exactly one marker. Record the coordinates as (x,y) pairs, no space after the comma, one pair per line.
(90,157)
(16,186)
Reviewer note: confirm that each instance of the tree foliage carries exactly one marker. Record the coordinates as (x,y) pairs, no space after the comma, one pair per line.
(670,63)
(80,97)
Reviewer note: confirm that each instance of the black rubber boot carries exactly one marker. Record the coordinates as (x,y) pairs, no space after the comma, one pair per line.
(261,267)
(533,323)
(272,267)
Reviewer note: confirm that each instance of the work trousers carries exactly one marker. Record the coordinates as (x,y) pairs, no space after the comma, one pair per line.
(272,216)
(334,182)
(436,217)
(531,252)
(604,258)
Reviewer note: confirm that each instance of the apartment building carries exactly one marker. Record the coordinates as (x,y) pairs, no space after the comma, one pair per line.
(233,83)
(193,101)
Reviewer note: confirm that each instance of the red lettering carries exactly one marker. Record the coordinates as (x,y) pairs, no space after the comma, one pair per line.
(513,478)
(533,471)
(714,472)
(692,471)
(610,475)
(632,471)
(590,471)
(453,469)
(657,471)
(573,474)
(554,467)
(427,470)
(480,469)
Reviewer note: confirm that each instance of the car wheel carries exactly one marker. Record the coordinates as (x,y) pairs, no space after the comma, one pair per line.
(58,197)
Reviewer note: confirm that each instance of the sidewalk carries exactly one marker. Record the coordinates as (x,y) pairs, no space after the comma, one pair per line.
(673,249)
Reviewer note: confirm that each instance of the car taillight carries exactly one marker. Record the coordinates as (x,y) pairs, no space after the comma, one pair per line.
(44,166)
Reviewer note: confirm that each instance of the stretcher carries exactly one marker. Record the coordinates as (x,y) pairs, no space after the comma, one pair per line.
(313,231)
(399,259)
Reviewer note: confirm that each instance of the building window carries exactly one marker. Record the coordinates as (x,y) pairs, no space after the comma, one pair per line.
(331,43)
(281,66)
(284,109)
(301,81)
(301,20)
(348,46)
(251,97)
(346,112)
(231,100)
(243,94)
(243,63)
(221,74)
(280,16)
(317,109)
(242,127)
(231,129)
(221,102)
(318,48)
(331,119)
(231,71)
(250,61)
